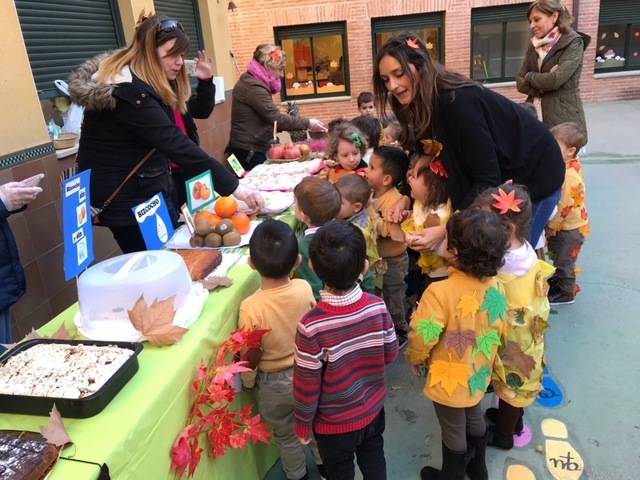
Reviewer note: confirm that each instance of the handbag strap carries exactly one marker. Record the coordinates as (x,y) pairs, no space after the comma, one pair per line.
(126,179)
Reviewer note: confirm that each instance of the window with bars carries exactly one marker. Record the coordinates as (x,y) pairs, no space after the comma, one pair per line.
(618,40)
(61,34)
(317,61)
(188,14)
(499,40)
(428,26)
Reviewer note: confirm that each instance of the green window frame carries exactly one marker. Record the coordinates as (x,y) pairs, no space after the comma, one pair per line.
(61,34)
(499,39)
(320,80)
(412,23)
(618,40)
(188,14)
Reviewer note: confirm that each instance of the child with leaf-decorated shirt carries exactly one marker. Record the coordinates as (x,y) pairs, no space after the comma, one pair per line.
(517,372)
(455,332)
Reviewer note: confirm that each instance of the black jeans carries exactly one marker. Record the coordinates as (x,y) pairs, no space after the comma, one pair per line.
(248,158)
(129,238)
(367,444)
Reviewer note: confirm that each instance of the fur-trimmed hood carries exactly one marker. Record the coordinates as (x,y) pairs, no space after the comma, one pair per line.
(87,92)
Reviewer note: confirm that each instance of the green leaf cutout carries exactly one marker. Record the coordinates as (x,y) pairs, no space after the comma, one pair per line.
(485,341)
(429,329)
(495,304)
(478,380)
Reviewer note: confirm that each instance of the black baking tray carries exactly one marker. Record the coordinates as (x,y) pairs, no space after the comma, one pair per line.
(71,407)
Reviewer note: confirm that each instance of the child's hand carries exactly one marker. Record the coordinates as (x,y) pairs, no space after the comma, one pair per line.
(304,441)
(396,233)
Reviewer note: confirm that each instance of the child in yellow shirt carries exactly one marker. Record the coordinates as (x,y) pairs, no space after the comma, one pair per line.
(455,332)
(567,230)
(277,306)
(517,372)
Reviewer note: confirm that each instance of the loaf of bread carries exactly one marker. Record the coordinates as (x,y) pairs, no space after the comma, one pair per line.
(200,263)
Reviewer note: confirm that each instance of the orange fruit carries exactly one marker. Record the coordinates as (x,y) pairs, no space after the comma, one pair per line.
(241,222)
(226,207)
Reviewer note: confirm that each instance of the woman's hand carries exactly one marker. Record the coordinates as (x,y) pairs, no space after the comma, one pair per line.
(251,197)
(204,70)
(316,125)
(398,212)
(16,195)
(428,239)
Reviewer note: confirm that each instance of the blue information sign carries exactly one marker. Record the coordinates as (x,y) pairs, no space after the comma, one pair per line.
(76,224)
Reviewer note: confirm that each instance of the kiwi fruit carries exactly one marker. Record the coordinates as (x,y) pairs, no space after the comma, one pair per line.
(213,240)
(231,238)
(203,227)
(196,241)
(224,227)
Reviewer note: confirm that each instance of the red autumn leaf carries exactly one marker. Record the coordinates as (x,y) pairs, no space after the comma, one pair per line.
(225,373)
(583,213)
(238,440)
(437,167)
(276,55)
(181,451)
(514,357)
(257,430)
(576,290)
(196,452)
(54,432)
(506,201)
(245,413)
(217,393)
(574,251)
(155,321)
(566,211)
(412,42)
(575,164)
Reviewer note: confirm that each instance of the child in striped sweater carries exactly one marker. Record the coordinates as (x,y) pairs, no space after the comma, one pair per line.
(342,347)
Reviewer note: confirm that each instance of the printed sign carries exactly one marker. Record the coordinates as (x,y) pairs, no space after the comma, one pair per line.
(76,228)
(200,192)
(235,164)
(154,222)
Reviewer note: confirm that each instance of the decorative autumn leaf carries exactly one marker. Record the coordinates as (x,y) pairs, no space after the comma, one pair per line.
(495,304)
(62,333)
(542,286)
(459,340)
(54,431)
(211,283)
(431,147)
(538,326)
(429,329)
(225,373)
(517,317)
(574,251)
(577,194)
(32,335)
(155,321)
(576,290)
(412,42)
(468,305)
(506,201)
(583,214)
(485,342)
(566,211)
(244,338)
(575,164)
(478,380)
(585,230)
(257,431)
(513,357)
(437,167)
(449,374)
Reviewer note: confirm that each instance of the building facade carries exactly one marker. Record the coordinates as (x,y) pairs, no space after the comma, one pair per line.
(331,45)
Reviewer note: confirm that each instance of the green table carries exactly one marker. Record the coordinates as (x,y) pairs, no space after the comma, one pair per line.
(134,433)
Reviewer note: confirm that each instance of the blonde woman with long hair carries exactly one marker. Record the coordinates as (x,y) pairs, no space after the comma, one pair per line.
(137,99)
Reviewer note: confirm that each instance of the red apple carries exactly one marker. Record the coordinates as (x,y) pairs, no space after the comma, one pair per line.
(277,151)
(291,151)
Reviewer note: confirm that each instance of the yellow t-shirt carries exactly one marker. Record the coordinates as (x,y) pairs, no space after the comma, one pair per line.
(278,309)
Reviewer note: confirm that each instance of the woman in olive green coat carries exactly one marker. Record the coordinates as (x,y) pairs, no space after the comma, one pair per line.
(550,72)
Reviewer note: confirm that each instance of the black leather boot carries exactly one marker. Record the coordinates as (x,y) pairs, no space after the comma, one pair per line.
(476,447)
(453,465)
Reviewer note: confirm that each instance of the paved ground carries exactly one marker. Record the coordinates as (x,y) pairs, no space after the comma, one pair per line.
(593,346)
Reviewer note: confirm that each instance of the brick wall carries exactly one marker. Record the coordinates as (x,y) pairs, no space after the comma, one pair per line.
(254,21)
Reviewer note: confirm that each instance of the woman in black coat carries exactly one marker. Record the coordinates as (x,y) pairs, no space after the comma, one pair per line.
(487,139)
(14,197)
(136,99)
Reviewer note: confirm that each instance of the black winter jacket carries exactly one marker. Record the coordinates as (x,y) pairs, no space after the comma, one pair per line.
(122,122)
(488,139)
(12,282)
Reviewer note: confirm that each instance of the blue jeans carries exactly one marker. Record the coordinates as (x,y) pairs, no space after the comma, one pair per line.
(5,327)
(540,214)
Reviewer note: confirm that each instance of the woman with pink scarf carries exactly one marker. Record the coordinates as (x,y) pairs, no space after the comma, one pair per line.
(550,72)
(253,111)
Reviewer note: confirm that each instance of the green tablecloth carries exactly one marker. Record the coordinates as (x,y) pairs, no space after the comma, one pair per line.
(134,433)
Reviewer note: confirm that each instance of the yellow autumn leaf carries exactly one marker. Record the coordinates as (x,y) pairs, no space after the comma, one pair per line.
(585,230)
(449,375)
(468,305)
